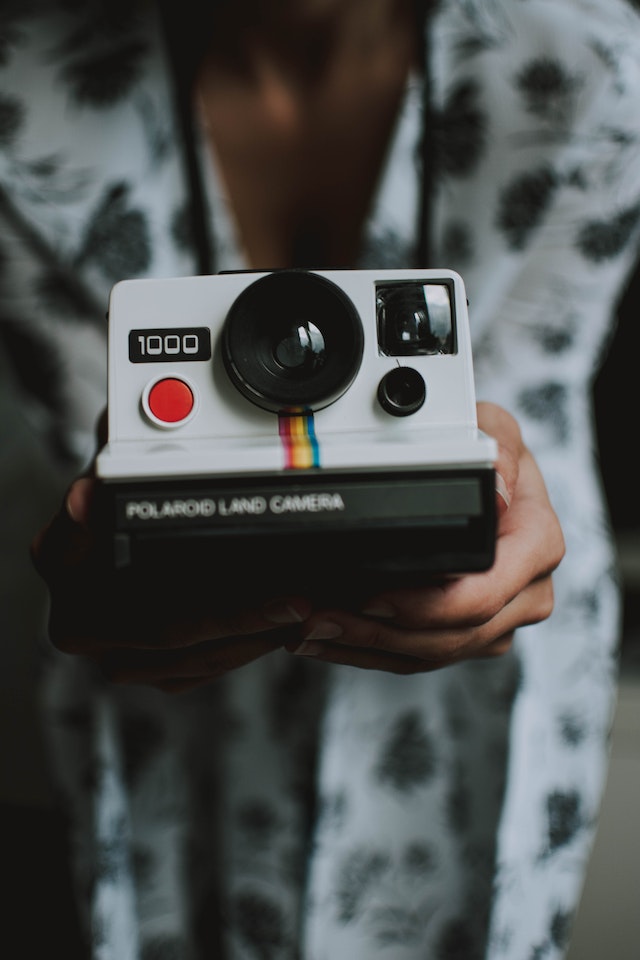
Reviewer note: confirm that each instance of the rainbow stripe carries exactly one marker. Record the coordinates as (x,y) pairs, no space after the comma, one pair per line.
(299,442)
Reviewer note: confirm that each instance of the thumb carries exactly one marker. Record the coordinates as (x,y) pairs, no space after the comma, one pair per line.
(65,541)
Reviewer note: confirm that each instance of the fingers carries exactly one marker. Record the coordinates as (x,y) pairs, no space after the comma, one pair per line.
(168,644)
(65,542)
(85,626)
(361,641)
(69,529)
(79,500)
(365,659)
(465,617)
(498,423)
(177,655)
(171,654)
(529,547)
(174,646)
(175,671)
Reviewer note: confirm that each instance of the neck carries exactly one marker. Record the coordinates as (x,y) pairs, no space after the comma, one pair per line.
(301,37)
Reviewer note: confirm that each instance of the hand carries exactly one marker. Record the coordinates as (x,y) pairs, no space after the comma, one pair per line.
(169,650)
(410,631)
(401,631)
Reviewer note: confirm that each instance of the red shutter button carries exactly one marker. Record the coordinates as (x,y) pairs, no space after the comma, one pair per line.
(169,402)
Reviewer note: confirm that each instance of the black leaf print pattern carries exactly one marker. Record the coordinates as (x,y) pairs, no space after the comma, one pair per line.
(540,952)
(182,229)
(45,167)
(61,297)
(457,245)
(483,30)
(118,237)
(458,716)
(163,948)
(578,178)
(143,860)
(554,340)
(12,115)
(547,404)
(459,805)
(143,737)
(407,756)
(103,56)
(590,602)
(35,365)
(386,250)
(418,859)
(260,923)
(561,923)
(471,46)
(601,240)
(458,942)
(523,204)
(51,179)
(360,870)
(558,938)
(564,818)
(396,926)
(103,81)
(461,130)
(546,88)
(258,821)
(293,698)
(572,730)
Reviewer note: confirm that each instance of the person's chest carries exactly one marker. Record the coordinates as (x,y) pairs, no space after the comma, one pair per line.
(300,166)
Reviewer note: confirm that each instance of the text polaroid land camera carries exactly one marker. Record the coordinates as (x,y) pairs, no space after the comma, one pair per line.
(295,431)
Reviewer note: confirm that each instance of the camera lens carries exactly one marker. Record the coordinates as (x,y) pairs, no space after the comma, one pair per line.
(292,339)
(414,319)
(301,347)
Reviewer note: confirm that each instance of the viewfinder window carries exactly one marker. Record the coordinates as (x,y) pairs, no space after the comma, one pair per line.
(414,319)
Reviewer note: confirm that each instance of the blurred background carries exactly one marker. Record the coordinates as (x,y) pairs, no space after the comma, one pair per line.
(31,832)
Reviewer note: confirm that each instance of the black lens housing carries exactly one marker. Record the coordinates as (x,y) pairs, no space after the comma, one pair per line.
(292,339)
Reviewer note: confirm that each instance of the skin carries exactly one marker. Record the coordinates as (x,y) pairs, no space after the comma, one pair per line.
(316,81)
(300,147)
(405,631)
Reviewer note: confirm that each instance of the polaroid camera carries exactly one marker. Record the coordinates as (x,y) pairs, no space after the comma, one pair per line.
(294,431)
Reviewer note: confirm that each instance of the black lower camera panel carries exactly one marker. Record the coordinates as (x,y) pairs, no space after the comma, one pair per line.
(331,536)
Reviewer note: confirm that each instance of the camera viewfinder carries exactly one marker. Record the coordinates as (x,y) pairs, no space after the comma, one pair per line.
(414,319)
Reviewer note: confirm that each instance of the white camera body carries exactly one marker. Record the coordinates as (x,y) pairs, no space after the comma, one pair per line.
(327,416)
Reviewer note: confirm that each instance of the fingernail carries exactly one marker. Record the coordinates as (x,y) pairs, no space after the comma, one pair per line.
(69,506)
(281,611)
(308,648)
(77,501)
(324,631)
(501,489)
(379,608)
